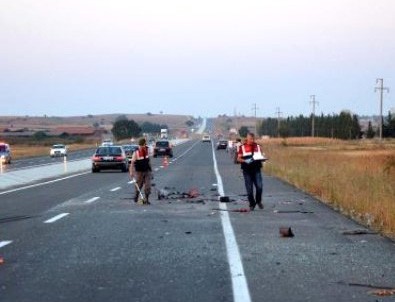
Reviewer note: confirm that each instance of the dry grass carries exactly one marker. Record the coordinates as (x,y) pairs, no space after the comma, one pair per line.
(357,178)
(23,151)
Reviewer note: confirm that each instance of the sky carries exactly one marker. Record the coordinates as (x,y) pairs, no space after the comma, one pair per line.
(200,58)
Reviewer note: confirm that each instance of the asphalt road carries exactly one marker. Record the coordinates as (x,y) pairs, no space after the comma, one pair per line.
(104,247)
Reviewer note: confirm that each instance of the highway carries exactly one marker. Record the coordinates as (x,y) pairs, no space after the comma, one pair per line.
(23,163)
(84,239)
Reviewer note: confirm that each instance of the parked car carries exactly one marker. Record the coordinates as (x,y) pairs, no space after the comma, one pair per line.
(110,157)
(163,147)
(222,144)
(129,150)
(206,139)
(5,153)
(58,150)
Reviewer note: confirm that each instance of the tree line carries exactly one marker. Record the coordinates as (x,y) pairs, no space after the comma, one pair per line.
(342,126)
(124,128)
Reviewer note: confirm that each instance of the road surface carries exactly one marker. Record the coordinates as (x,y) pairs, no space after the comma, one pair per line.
(84,239)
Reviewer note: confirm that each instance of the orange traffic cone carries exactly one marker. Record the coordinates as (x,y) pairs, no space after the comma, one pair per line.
(165,162)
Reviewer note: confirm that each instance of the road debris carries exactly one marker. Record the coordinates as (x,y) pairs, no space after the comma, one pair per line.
(1,260)
(241,210)
(286,232)
(292,211)
(359,232)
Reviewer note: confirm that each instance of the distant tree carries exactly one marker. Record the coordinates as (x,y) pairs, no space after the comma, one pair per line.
(189,123)
(370,133)
(284,130)
(149,114)
(96,125)
(148,127)
(389,126)
(64,135)
(243,131)
(40,135)
(121,118)
(90,116)
(123,129)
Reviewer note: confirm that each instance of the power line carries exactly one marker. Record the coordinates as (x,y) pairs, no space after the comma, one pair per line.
(278,112)
(314,102)
(381,88)
(255,108)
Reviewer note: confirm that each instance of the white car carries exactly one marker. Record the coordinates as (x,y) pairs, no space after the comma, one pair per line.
(206,139)
(58,150)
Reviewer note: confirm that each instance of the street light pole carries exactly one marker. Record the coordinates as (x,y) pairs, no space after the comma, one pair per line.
(381,88)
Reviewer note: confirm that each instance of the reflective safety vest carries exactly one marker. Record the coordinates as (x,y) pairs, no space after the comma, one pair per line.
(247,152)
(142,163)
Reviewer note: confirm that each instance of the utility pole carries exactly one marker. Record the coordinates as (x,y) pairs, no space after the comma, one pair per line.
(255,108)
(381,88)
(278,112)
(314,102)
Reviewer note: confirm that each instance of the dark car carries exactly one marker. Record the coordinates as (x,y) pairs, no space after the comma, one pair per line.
(222,144)
(110,157)
(163,147)
(129,150)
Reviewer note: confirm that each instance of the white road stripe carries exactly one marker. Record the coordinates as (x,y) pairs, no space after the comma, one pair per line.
(115,189)
(56,218)
(42,183)
(92,200)
(239,281)
(4,243)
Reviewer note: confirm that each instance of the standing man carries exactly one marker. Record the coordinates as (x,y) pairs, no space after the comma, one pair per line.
(252,170)
(141,170)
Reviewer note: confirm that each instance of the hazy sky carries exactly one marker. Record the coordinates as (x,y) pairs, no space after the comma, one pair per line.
(206,57)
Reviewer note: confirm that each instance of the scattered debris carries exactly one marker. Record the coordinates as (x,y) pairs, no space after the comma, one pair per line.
(188,233)
(292,211)
(383,292)
(286,232)
(380,291)
(241,210)
(224,199)
(359,232)
(1,260)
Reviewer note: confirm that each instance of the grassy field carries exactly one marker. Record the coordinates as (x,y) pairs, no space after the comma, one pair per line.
(356,178)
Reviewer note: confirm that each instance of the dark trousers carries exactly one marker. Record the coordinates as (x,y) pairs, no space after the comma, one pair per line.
(252,179)
(143,179)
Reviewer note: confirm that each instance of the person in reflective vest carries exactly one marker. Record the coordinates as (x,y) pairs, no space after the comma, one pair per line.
(251,170)
(140,169)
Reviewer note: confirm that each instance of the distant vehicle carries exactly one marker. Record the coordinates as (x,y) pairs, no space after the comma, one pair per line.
(163,147)
(163,133)
(129,150)
(206,139)
(222,144)
(107,142)
(58,150)
(110,157)
(5,153)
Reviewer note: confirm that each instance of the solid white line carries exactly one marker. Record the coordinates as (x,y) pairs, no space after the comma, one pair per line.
(115,189)
(4,243)
(43,183)
(56,218)
(92,199)
(239,280)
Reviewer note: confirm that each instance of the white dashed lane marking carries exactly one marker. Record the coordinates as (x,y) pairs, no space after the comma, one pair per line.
(115,189)
(4,243)
(56,218)
(92,200)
